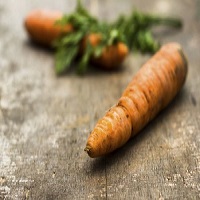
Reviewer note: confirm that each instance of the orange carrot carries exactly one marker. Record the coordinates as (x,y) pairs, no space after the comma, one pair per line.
(40,25)
(150,91)
(111,57)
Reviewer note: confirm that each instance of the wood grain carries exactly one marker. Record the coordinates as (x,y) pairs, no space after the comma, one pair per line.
(45,120)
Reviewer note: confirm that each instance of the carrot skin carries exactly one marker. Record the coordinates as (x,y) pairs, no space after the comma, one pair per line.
(111,57)
(40,25)
(151,90)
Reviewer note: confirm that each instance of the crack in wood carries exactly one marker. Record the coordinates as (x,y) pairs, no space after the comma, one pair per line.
(106,179)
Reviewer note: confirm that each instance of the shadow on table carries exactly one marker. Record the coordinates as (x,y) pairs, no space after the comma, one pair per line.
(37,47)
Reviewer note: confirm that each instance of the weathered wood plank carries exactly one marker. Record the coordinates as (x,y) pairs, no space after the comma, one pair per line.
(45,120)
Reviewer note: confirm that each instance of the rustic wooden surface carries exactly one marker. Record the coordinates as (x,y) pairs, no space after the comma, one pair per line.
(45,120)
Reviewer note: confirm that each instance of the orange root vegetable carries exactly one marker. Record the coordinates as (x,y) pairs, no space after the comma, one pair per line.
(40,25)
(111,57)
(150,91)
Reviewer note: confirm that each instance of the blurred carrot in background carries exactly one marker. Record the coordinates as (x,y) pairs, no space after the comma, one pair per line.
(105,44)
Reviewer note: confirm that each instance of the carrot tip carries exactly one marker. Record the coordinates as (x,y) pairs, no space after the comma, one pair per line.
(87,149)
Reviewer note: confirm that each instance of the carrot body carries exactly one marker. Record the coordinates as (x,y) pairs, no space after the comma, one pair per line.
(111,57)
(40,25)
(151,90)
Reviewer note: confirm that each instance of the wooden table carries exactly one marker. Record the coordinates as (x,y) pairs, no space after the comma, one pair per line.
(45,120)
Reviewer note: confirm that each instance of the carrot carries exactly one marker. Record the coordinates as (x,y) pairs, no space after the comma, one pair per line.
(111,57)
(150,91)
(40,25)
